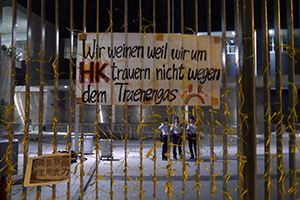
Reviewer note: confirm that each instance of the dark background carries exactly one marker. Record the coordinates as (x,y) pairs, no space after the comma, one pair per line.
(147,14)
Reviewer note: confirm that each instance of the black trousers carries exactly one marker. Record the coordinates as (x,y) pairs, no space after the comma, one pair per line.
(165,146)
(177,140)
(192,143)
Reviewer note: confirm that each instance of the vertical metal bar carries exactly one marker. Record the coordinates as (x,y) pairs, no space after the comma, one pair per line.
(249,106)
(212,118)
(125,109)
(70,88)
(155,124)
(141,155)
(225,132)
(267,117)
(212,155)
(209,18)
(169,116)
(173,16)
(279,117)
(181,17)
(141,110)
(183,155)
(27,97)
(126,152)
(292,99)
(56,76)
(199,131)
(9,159)
(169,158)
(238,39)
(41,93)
(169,17)
(154,151)
(77,103)
(199,154)
(82,109)
(196,17)
(97,103)
(184,107)
(111,107)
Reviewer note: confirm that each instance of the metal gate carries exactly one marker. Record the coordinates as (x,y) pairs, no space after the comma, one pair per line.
(246,149)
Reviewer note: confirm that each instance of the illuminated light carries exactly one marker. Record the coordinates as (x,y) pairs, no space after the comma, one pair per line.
(271,31)
(101,114)
(233,33)
(18,103)
(65,86)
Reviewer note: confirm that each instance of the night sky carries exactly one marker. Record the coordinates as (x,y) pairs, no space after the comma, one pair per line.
(147,14)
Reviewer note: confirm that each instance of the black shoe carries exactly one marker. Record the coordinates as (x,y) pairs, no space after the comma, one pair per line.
(192,157)
(175,158)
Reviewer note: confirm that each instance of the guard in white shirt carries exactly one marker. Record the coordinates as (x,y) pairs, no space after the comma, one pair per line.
(164,133)
(192,133)
(176,131)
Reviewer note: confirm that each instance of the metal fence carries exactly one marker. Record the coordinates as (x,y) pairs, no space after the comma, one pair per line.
(233,142)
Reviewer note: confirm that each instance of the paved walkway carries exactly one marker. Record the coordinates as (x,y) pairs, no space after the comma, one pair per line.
(133,184)
(61,188)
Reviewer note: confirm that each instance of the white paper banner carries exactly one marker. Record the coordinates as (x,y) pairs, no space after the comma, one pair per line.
(149,69)
(47,169)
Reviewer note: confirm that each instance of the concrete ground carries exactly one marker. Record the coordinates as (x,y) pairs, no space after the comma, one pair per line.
(105,167)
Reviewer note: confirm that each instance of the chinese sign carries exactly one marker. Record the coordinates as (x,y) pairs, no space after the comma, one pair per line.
(151,69)
(47,170)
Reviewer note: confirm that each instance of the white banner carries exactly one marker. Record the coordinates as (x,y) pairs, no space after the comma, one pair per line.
(47,169)
(149,69)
